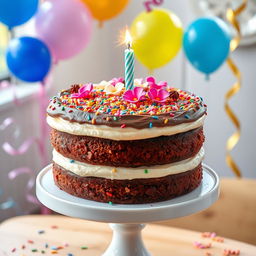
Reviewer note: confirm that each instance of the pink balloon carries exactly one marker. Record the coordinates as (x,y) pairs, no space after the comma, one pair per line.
(65,26)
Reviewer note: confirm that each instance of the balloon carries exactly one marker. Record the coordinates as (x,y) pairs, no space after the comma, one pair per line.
(206,44)
(65,26)
(17,12)
(105,9)
(157,37)
(28,58)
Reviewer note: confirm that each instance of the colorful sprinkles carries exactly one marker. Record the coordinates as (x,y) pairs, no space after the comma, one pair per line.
(36,249)
(98,102)
(200,245)
(213,236)
(230,252)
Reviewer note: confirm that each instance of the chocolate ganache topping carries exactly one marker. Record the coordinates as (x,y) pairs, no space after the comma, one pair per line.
(109,104)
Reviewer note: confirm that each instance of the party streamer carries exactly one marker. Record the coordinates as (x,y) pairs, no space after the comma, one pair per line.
(9,203)
(234,138)
(148,4)
(25,146)
(30,184)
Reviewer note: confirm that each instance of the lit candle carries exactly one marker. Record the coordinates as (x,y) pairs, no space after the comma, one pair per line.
(129,63)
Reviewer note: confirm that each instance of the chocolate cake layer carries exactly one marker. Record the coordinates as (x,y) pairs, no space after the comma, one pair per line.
(127,191)
(135,153)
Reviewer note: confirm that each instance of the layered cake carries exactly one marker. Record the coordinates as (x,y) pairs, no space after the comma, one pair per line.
(127,146)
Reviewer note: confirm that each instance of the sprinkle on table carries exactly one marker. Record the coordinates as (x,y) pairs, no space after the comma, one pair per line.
(146,171)
(84,247)
(114,170)
(30,241)
(34,250)
(123,126)
(14,250)
(41,232)
(208,234)
(54,226)
(200,245)
(213,236)
(231,252)
(72,161)
(110,203)
(218,239)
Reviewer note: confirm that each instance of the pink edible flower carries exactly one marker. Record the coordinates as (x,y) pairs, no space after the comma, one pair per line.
(152,83)
(115,80)
(83,91)
(158,95)
(134,95)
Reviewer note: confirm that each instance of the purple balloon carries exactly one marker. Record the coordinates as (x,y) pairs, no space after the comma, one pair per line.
(65,26)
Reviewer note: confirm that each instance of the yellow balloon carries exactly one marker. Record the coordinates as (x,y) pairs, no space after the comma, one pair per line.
(157,37)
(105,9)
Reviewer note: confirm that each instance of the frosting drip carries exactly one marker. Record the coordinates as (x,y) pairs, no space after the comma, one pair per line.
(117,133)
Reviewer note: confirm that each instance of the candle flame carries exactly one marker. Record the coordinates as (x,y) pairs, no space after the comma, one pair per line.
(128,38)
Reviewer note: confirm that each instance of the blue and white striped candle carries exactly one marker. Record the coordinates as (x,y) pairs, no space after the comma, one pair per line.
(129,63)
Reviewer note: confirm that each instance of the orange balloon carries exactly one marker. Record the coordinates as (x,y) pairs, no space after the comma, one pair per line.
(105,9)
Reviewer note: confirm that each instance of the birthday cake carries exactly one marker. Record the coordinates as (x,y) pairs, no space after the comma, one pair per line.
(123,146)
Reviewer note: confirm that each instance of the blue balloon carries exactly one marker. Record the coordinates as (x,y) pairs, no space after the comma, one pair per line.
(17,12)
(28,58)
(206,43)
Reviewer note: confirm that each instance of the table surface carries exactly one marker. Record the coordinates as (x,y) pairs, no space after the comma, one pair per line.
(72,234)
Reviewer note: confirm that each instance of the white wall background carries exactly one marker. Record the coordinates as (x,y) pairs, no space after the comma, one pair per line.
(103,59)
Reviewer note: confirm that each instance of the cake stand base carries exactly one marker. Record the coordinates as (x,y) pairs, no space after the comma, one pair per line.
(127,240)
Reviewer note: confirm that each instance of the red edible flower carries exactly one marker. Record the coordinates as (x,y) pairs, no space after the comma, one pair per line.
(134,95)
(83,91)
(158,95)
(153,85)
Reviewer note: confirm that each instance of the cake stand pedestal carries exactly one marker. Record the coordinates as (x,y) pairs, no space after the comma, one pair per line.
(127,239)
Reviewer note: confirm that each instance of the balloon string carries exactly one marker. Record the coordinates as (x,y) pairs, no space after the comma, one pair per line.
(100,24)
(234,138)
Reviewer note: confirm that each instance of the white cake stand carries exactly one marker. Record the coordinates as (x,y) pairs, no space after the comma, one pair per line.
(127,239)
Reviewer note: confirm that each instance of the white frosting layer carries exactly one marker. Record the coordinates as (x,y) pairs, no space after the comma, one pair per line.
(123,173)
(116,133)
